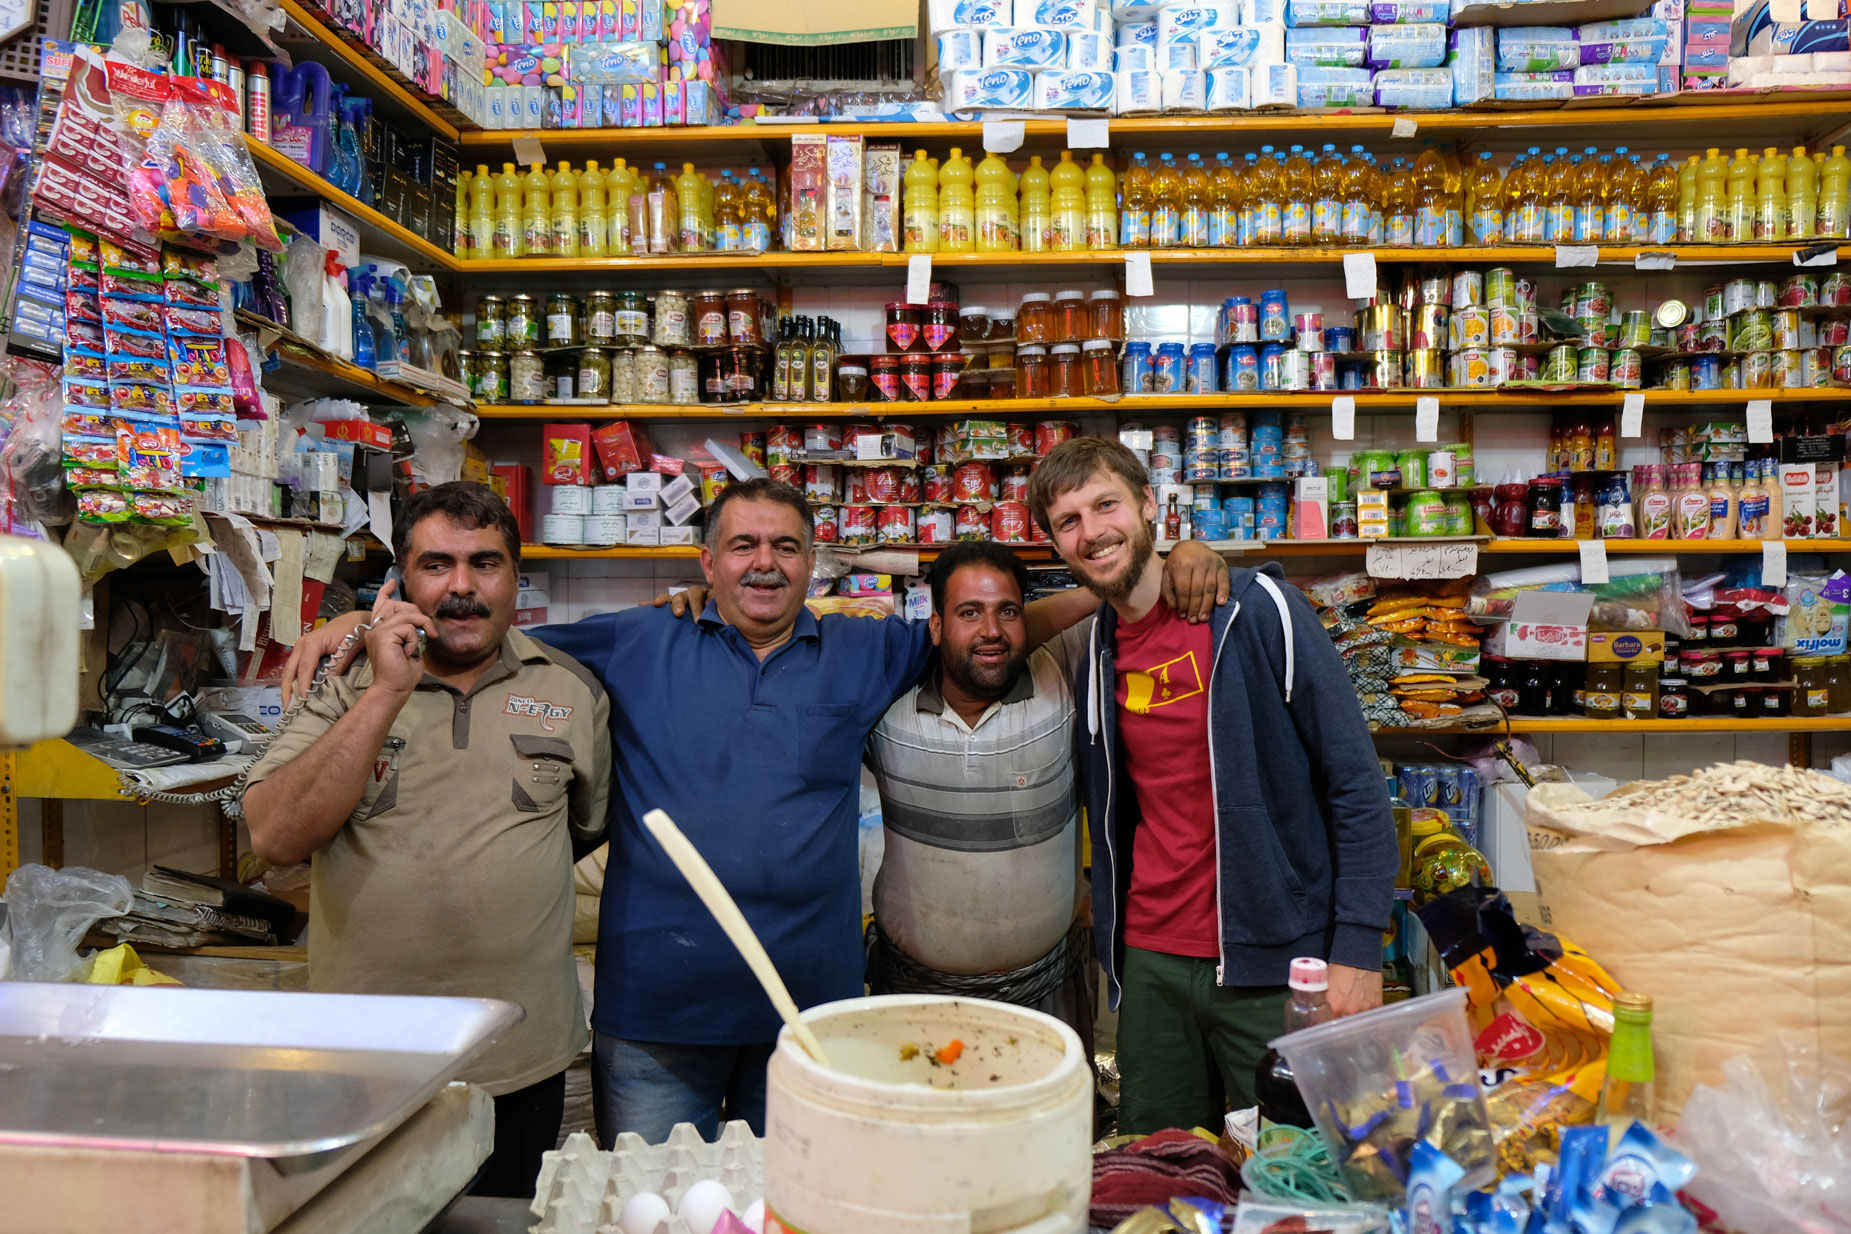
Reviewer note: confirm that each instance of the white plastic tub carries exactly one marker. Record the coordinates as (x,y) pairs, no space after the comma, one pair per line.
(888,1140)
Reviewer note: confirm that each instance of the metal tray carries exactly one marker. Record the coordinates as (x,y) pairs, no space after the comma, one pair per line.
(245,1073)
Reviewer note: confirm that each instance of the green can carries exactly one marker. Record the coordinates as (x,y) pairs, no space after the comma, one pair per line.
(1426,514)
(1636,329)
(1752,331)
(1465,475)
(1560,363)
(1371,468)
(1501,288)
(1337,484)
(1459,519)
(1593,365)
(1413,464)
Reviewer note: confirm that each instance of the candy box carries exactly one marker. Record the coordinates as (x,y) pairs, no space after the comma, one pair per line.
(623,448)
(565,454)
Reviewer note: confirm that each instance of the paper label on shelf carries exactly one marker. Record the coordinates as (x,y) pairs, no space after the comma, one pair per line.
(1655,261)
(1419,561)
(1359,275)
(1784,10)
(1817,255)
(1426,418)
(1085,134)
(868,446)
(1343,417)
(1773,563)
(1567,256)
(1760,421)
(1632,413)
(1593,561)
(1003,136)
(1137,274)
(528,151)
(919,278)
(1403,127)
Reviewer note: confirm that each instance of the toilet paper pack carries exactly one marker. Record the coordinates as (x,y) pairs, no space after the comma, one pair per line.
(950,14)
(1055,14)
(1327,47)
(1416,46)
(977,89)
(1064,91)
(1135,10)
(1135,34)
(1224,49)
(1182,23)
(1176,56)
(1089,52)
(1134,59)
(1429,89)
(1275,85)
(1229,89)
(1262,12)
(1024,47)
(1136,91)
(960,47)
(1182,90)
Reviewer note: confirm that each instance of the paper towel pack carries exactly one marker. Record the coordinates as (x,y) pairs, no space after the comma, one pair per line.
(1063,91)
(1229,89)
(1024,47)
(977,89)
(1182,90)
(1136,91)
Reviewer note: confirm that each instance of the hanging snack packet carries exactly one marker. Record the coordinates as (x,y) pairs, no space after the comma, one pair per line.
(128,259)
(1542,1012)
(102,505)
(86,392)
(149,457)
(127,285)
(140,99)
(198,360)
(132,315)
(208,145)
(83,362)
(178,264)
(203,322)
(188,294)
(161,509)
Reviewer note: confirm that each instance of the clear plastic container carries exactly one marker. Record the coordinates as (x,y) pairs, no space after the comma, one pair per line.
(1413,1064)
(1035,319)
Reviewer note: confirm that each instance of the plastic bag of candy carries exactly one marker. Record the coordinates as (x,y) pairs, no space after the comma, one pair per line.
(1254,1215)
(1541,1012)
(210,141)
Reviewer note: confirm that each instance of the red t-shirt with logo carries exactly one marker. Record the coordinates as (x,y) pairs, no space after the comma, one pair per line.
(1163,666)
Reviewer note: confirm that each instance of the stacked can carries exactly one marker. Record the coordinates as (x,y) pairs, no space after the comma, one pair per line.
(1236,454)
(1427,300)
(1380,362)
(1166,455)
(1202,450)
(1295,450)
(569,507)
(1784,339)
(1268,438)
(1511,322)
(1271,506)
(1468,333)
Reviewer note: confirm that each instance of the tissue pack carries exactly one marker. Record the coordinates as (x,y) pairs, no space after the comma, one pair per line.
(1182,23)
(1064,91)
(976,89)
(1030,48)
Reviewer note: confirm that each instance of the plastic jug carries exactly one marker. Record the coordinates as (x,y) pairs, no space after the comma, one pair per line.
(957,204)
(1771,196)
(1802,195)
(1562,180)
(1712,198)
(1659,225)
(537,212)
(565,212)
(760,212)
(1327,197)
(301,116)
(1224,203)
(696,221)
(481,215)
(1033,226)
(1835,195)
(919,205)
(1134,214)
(1066,205)
(509,241)
(1166,205)
(1591,186)
(996,206)
(1687,200)
(1399,205)
(622,207)
(593,207)
(1101,205)
(1739,187)
(1353,212)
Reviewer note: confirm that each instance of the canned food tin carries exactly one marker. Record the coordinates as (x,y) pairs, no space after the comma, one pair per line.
(1428,327)
(1464,467)
(605,530)
(894,525)
(1593,364)
(822,481)
(1243,321)
(970,523)
(1050,433)
(856,525)
(1816,368)
(1505,327)
(1593,300)
(1738,296)
(1789,370)
(1671,314)
(1560,364)
(1676,375)
(1339,338)
(1799,291)
(1757,371)
(1384,371)
(1841,364)
(1309,329)
(1626,369)
(828,524)
(1297,370)
(1468,289)
(935,485)
(1504,365)
(973,482)
(562,529)
(1009,523)
(1323,371)
(1595,329)
(1469,327)
(1713,302)
(1832,332)
(1435,286)
(1767,293)
(1635,329)
(1379,328)
(1712,335)
(1705,373)
(933,526)
(1835,290)
(1441,471)
(1501,288)
(1752,330)
(1471,367)
(1786,327)
(570,498)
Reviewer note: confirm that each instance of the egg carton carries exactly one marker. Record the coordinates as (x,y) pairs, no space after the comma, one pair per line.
(583,1190)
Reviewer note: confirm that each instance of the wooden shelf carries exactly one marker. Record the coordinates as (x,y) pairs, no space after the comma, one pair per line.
(1703,120)
(1691,724)
(1149,404)
(308,372)
(1660,547)
(381,236)
(366,64)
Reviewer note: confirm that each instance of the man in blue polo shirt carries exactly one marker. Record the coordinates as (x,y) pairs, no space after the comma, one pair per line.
(746,725)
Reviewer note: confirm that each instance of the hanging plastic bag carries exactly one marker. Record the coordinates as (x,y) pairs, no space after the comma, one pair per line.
(221,137)
(50,911)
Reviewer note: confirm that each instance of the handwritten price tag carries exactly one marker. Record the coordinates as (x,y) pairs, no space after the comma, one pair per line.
(1422,561)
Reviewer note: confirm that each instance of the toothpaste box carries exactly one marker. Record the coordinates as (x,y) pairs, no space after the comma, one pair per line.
(1024,47)
(1421,88)
(1229,89)
(946,14)
(1056,14)
(1064,91)
(1135,91)
(1415,46)
(987,88)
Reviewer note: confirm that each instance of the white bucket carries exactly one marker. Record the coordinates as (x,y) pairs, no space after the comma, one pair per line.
(889,1140)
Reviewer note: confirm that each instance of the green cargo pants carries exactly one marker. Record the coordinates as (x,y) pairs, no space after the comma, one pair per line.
(1187,1048)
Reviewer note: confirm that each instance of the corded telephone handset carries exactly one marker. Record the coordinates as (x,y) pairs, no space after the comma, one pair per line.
(395,575)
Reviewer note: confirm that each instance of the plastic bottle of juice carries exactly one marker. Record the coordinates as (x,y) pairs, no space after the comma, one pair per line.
(1802,195)
(537,212)
(1835,195)
(919,205)
(1771,196)
(1661,201)
(1197,202)
(1297,190)
(1134,208)
(1166,204)
(661,211)
(1101,205)
(1739,197)
(593,206)
(481,216)
(1066,205)
(619,186)
(1267,196)
(996,206)
(1224,204)
(1398,205)
(1591,198)
(1327,197)
(1687,200)
(1036,201)
(759,212)
(1353,199)
(565,212)
(509,240)
(695,221)
(957,205)
(1712,198)
(1484,202)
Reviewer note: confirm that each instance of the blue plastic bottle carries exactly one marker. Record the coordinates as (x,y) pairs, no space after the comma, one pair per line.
(362,329)
(302,120)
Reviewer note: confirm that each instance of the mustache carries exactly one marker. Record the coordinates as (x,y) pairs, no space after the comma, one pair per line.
(763,578)
(461,606)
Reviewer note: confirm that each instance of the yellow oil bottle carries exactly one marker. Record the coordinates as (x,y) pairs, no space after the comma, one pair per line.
(565,212)
(1835,195)
(957,206)
(1712,198)
(1066,205)
(537,212)
(1166,206)
(997,217)
(919,205)
(1295,189)
(1101,205)
(509,240)
(695,221)
(482,213)
(1033,224)
(594,223)
(1802,195)
(1134,217)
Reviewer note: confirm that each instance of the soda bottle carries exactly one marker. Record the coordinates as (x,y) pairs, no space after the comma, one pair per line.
(1687,200)
(1739,185)
(1712,198)
(1134,212)
(593,220)
(957,205)
(1296,190)
(1034,224)
(919,205)
(481,217)
(1802,195)
(1485,200)
(1353,218)
(1101,205)
(1771,196)
(1591,198)
(1661,195)
(1224,215)
(1626,1095)
(1198,205)
(996,206)
(1327,198)
(1399,205)
(1307,1005)
(537,213)
(1835,196)
(1166,204)
(760,210)
(1067,205)
(1267,196)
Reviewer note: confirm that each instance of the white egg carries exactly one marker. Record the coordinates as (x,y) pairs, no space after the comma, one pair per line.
(754,1217)
(702,1205)
(642,1212)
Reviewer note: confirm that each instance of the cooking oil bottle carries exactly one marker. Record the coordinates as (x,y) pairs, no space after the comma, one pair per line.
(728,231)
(1268,201)
(1625,198)
(593,211)
(1771,196)
(1398,203)
(1739,186)
(1517,225)
(1835,195)
(1687,200)
(1712,198)
(661,211)
(1429,208)
(1591,197)
(1327,197)
(1296,191)
(1036,195)
(759,212)
(536,213)
(1166,189)
(1353,213)
(695,221)
(1562,178)
(919,205)
(619,188)
(565,212)
(1197,206)
(1066,205)
(481,217)
(509,238)
(1376,193)
(1484,201)
(957,205)
(1802,195)
(1101,205)
(1134,211)
(1659,222)
(1224,203)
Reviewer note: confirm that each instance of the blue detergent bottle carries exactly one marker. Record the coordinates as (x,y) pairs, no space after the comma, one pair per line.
(363,354)
(302,120)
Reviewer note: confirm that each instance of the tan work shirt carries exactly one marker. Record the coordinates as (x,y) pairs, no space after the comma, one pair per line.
(453,876)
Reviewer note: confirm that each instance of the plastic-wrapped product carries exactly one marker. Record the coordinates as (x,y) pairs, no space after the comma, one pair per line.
(1142,59)
(1183,90)
(1327,12)
(1089,52)
(974,90)
(1056,14)
(1337,47)
(1135,10)
(1335,87)
(1182,23)
(1175,56)
(1241,48)
(946,14)
(1275,85)
(959,49)
(1023,47)
(1616,79)
(1136,92)
(1059,90)
(1135,34)
(1425,89)
(1416,46)
(1557,85)
(1229,89)
(1404,12)
(1537,49)
(1473,60)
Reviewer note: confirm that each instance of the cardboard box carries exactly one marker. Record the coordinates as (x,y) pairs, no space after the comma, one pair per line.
(1312,508)
(809,195)
(331,228)
(880,223)
(518,477)
(1625,648)
(847,174)
(1798,500)
(622,448)
(678,535)
(565,454)
(364,432)
(1544,625)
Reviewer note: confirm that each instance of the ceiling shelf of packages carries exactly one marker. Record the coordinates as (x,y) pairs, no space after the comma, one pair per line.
(322,39)
(1789,117)
(1008,264)
(305,371)
(1137,405)
(379,235)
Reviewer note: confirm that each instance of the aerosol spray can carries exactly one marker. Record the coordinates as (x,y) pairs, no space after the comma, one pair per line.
(257,102)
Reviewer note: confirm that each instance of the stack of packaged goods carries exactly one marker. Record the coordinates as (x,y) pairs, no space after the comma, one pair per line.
(1562,62)
(1768,52)
(1411,651)
(438,47)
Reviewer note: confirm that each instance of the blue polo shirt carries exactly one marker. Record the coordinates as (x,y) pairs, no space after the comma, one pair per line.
(759,762)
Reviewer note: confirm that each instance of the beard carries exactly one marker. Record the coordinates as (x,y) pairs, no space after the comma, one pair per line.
(988,681)
(1142,546)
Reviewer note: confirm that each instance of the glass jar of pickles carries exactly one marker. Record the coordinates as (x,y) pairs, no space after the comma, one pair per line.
(674,319)
(526,376)
(491,376)
(491,321)
(594,373)
(684,377)
(651,374)
(624,385)
(632,319)
(523,323)
(601,319)
(563,327)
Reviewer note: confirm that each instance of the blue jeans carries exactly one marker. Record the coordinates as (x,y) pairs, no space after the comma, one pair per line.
(649,1086)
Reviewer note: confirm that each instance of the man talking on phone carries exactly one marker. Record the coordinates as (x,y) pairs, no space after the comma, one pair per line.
(443,791)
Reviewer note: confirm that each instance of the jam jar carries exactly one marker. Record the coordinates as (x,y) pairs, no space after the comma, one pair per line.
(1034,377)
(938,329)
(884,376)
(710,319)
(1066,381)
(1098,368)
(903,322)
(1673,698)
(1072,321)
(1034,321)
(1812,691)
(852,382)
(745,318)
(916,377)
(1108,315)
(945,373)
(973,324)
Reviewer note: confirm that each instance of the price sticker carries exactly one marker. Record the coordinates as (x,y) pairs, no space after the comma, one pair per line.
(1083,134)
(1593,560)
(1137,273)
(1426,418)
(1359,275)
(1760,421)
(1343,417)
(1568,256)
(1773,563)
(1003,136)
(919,278)
(1632,413)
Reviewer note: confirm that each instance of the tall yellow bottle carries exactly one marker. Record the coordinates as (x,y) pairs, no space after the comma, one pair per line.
(696,215)
(1739,187)
(1835,195)
(1266,200)
(1296,190)
(1661,195)
(1398,205)
(1035,191)
(1197,206)
(957,206)
(565,212)
(1066,205)
(919,205)
(1626,199)
(996,206)
(1687,200)
(1712,198)
(1166,204)
(1101,205)
(482,213)
(1517,225)
(594,224)
(1224,217)
(619,184)
(1802,195)
(1771,196)
(537,212)
(728,218)
(508,242)
(1134,218)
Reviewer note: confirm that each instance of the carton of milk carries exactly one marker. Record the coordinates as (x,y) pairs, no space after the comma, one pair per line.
(1063,91)
(991,88)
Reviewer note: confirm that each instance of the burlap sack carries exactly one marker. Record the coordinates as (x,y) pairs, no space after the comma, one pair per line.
(1738,934)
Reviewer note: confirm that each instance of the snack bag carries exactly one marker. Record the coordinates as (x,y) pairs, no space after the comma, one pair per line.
(1542,1010)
